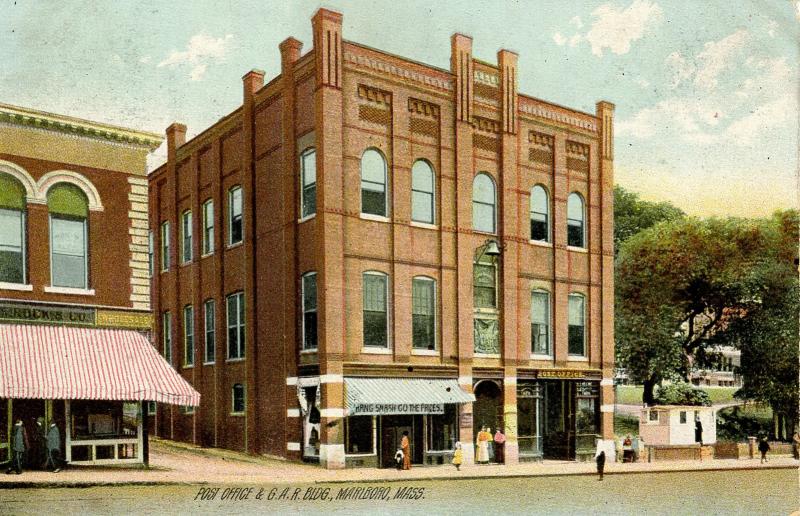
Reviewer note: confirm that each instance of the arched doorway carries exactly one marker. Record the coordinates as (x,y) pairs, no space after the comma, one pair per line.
(488,407)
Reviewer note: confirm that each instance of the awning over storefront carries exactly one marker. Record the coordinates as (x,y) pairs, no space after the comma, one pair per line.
(379,396)
(61,362)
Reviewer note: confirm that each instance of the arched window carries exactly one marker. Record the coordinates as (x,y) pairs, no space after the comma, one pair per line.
(308,182)
(576,338)
(423,313)
(309,297)
(12,230)
(484,198)
(69,209)
(576,227)
(422,187)
(375,289)
(540,214)
(373,183)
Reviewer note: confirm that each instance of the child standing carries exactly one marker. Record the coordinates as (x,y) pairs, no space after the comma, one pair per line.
(398,459)
(458,457)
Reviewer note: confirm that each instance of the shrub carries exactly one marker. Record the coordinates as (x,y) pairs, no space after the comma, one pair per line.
(682,394)
(737,424)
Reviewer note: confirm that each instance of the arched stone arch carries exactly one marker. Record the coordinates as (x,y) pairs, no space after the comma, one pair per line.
(21,175)
(66,176)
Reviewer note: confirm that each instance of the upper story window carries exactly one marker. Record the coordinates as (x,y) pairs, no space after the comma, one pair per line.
(209,308)
(12,230)
(540,322)
(188,335)
(308,182)
(540,214)
(165,246)
(237,399)
(376,313)
(423,206)
(235,215)
(577,316)
(236,325)
(309,296)
(373,183)
(423,313)
(186,236)
(208,227)
(484,199)
(576,217)
(166,336)
(484,287)
(150,252)
(69,211)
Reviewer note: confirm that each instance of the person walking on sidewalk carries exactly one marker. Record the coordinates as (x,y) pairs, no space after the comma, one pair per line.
(405,445)
(458,456)
(53,448)
(601,464)
(796,445)
(19,446)
(763,447)
(499,446)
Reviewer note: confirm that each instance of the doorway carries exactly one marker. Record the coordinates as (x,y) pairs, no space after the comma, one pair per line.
(487,409)
(29,411)
(559,424)
(391,430)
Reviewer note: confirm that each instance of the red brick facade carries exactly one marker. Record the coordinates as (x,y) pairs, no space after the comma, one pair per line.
(342,98)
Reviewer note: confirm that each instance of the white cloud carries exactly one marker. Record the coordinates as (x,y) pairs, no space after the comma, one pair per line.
(717,56)
(681,69)
(574,40)
(615,29)
(200,50)
(644,83)
(576,21)
(559,39)
(771,26)
(145,59)
(763,118)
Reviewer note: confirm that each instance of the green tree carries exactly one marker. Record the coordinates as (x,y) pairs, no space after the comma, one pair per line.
(632,215)
(678,284)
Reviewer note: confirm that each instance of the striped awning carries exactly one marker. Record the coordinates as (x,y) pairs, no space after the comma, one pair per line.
(61,362)
(378,396)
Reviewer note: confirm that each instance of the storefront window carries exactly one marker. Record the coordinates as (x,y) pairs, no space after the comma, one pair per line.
(358,434)
(94,419)
(586,416)
(530,419)
(442,429)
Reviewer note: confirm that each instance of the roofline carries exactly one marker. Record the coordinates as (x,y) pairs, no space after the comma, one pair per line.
(22,116)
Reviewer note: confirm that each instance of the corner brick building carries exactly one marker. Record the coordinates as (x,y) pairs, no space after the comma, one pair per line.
(370,246)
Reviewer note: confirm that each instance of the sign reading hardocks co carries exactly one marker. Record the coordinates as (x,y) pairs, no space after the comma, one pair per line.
(73,315)
(386,409)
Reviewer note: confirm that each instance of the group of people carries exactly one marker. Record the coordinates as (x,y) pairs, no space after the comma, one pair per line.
(490,448)
(44,453)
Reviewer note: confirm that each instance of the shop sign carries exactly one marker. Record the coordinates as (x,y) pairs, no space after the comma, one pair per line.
(70,315)
(465,419)
(561,374)
(128,320)
(385,409)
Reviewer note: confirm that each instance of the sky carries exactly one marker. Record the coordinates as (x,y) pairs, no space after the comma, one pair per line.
(706,92)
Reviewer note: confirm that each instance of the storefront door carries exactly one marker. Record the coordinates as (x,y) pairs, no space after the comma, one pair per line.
(29,411)
(559,424)
(391,432)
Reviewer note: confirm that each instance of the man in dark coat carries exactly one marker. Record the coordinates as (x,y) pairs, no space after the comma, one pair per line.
(53,448)
(601,463)
(19,445)
(698,430)
(38,452)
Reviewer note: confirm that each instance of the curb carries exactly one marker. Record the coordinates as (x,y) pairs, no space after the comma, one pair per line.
(70,485)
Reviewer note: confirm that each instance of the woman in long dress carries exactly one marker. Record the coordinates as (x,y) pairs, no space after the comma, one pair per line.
(483,446)
(405,445)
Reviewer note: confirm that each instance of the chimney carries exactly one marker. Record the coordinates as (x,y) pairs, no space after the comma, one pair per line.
(461,67)
(176,137)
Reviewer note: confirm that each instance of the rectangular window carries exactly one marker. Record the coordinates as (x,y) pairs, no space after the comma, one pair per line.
(186,409)
(237,399)
(683,417)
(150,253)
(540,322)
(12,246)
(442,430)
(653,416)
(539,226)
(188,336)
(309,295)
(308,191)
(358,434)
(484,286)
(210,325)
(236,326)
(576,337)
(423,314)
(166,336)
(234,215)
(68,253)
(375,310)
(186,236)
(208,227)
(165,246)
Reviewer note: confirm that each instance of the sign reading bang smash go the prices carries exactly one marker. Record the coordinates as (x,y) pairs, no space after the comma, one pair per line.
(385,409)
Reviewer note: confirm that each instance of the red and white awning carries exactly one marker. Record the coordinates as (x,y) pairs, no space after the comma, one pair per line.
(61,362)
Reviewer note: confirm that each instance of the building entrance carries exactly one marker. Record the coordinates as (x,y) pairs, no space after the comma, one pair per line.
(391,430)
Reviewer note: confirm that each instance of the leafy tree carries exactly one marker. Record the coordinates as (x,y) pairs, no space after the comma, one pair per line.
(678,284)
(682,393)
(632,215)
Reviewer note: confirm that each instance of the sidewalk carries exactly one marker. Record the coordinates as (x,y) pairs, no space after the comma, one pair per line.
(178,463)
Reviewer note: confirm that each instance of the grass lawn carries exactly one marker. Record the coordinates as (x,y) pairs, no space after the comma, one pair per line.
(624,425)
(632,394)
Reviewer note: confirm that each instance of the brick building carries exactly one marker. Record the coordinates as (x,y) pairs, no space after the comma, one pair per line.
(74,286)
(368,244)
